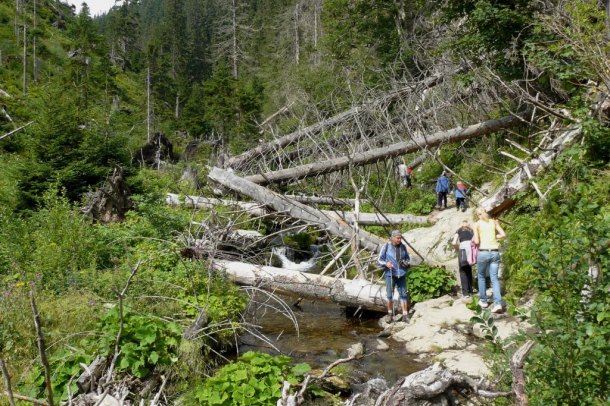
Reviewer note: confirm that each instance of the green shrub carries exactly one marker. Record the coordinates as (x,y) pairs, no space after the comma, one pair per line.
(552,256)
(146,341)
(426,282)
(254,379)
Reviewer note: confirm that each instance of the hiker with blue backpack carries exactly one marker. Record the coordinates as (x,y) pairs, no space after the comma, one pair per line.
(394,258)
(442,189)
(460,192)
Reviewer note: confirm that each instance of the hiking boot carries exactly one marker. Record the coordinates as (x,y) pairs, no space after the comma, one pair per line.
(483,304)
(497,309)
(388,318)
(405,318)
(463,209)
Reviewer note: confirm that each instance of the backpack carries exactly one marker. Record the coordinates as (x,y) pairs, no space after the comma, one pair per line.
(474,251)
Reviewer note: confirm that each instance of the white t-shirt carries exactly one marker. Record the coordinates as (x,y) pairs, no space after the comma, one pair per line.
(402,170)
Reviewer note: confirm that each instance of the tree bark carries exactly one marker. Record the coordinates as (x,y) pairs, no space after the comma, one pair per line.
(390,151)
(345,292)
(503,199)
(256,209)
(246,157)
(516,367)
(25,61)
(207,202)
(41,350)
(294,209)
(7,381)
(431,386)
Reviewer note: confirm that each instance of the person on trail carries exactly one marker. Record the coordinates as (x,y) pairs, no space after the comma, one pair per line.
(394,258)
(442,188)
(410,176)
(487,232)
(460,193)
(462,242)
(402,173)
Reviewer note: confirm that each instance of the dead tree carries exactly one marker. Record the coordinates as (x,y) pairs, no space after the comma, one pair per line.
(256,209)
(294,209)
(379,154)
(110,202)
(345,292)
(503,199)
(239,161)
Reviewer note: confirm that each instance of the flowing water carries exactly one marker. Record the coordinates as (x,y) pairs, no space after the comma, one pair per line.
(325,333)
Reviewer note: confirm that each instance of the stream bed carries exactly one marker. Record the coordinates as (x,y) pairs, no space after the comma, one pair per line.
(325,334)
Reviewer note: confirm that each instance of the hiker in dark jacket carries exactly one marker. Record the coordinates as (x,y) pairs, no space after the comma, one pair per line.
(442,188)
(462,242)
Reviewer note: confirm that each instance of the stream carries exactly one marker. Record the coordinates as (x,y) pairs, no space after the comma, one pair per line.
(325,334)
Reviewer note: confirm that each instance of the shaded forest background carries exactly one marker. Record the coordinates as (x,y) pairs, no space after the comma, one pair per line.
(82,98)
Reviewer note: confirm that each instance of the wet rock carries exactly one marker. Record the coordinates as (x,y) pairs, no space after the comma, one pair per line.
(376,345)
(355,350)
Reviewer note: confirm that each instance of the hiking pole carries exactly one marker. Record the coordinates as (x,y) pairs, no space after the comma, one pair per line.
(393,226)
(392,289)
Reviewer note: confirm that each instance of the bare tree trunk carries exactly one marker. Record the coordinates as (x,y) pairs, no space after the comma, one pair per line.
(297,46)
(503,199)
(25,61)
(177,107)
(345,292)
(34,62)
(316,18)
(289,139)
(294,209)
(516,367)
(234,27)
(256,209)
(148,104)
(356,224)
(7,381)
(390,151)
(41,350)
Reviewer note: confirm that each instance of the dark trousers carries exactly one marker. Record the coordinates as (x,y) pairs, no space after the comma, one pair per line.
(466,279)
(460,202)
(442,198)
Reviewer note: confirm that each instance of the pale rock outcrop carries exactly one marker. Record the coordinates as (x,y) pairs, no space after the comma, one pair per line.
(434,242)
(440,329)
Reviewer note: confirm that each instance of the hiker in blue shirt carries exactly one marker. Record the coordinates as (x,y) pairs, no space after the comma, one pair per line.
(460,193)
(394,259)
(442,188)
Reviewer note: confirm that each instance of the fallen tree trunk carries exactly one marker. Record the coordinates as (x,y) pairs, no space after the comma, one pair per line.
(390,151)
(294,209)
(201,202)
(256,209)
(246,157)
(503,199)
(376,219)
(345,292)
(433,386)
(328,200)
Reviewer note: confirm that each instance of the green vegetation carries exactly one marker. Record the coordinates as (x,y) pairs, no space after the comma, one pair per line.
(254,379)
(93,93)
(427,282)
